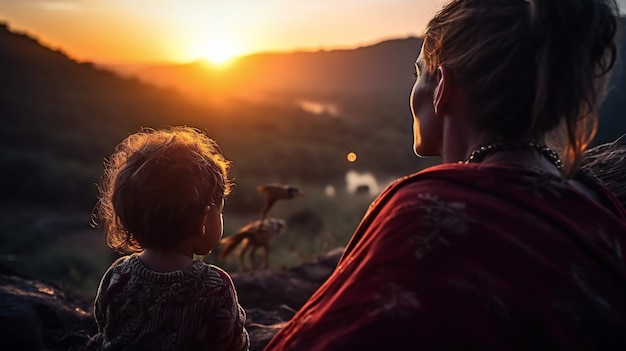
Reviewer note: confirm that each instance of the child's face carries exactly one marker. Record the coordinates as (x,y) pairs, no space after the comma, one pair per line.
(214,226)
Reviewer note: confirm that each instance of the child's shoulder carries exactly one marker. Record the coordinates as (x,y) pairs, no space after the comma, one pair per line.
(123,261)
(213,272)
(210,269)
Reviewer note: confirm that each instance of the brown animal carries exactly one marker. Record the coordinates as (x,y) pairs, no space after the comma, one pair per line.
(275,192)
(254,235)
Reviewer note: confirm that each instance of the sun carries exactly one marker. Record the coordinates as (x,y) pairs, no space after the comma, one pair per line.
(218,50)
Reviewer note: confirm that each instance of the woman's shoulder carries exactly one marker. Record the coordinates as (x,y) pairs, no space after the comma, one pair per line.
(474,177)
(432,180)
(474,184)
(478,184)
(442,172)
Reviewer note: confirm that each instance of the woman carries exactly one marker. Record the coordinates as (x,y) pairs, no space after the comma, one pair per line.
(504,246)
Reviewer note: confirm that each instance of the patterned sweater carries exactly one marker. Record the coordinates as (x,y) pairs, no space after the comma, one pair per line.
(191,309)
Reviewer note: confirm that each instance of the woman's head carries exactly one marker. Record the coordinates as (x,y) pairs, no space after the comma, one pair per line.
(529,68)
(157,185)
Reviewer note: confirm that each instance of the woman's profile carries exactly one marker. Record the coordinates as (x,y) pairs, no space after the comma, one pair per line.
(505,245)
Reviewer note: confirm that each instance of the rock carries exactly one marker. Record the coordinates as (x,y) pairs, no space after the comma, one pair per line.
(319,270)
(271,299)
(36,315)
(268,290)
(260,335)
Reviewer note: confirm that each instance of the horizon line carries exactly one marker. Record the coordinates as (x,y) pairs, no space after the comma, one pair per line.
(109,62)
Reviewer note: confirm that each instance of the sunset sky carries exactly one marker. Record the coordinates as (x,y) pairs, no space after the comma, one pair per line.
(142,31)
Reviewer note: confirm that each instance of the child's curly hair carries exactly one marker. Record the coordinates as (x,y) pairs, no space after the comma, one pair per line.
(156,186)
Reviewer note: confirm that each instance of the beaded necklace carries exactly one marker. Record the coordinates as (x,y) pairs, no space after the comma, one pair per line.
(479,154)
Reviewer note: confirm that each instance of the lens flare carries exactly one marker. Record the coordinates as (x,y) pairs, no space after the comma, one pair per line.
(351,156)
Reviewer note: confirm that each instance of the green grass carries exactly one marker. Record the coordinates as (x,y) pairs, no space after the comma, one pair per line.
(77,271)
(316,224)
(61,247)
(55,246)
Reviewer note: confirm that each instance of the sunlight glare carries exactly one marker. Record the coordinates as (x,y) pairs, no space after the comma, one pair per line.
(218,50)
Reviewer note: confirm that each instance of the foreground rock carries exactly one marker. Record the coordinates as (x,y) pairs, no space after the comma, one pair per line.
(270,298)
(35,315)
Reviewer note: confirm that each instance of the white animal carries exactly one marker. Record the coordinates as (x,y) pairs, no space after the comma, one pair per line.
(355,179)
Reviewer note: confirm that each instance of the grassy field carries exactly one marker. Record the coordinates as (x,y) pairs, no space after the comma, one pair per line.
(316,223)
(54,245)
(61,247)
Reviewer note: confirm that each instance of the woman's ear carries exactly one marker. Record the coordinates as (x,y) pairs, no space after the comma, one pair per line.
(443,90)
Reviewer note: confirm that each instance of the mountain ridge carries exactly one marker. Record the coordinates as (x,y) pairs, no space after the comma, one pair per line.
(388,63)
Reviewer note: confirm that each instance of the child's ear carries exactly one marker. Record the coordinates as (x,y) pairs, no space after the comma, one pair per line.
(205,216)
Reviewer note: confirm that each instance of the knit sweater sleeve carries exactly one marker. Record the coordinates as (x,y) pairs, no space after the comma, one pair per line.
(230,320)
(100,300)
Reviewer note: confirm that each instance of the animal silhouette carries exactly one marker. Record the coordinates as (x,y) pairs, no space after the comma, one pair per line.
(253,235)
(275,192)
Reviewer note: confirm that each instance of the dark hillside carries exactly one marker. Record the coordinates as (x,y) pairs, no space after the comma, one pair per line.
(60,118)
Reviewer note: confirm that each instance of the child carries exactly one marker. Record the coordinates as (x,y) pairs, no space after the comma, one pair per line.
(161,202)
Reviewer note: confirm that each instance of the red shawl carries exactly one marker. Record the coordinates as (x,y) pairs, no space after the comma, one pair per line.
(474,257)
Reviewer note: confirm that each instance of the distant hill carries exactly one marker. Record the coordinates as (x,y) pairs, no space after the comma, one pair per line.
(60,118)
(385,68)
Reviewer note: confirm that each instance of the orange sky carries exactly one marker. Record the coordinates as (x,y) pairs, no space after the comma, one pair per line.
(107,31)
(141,31)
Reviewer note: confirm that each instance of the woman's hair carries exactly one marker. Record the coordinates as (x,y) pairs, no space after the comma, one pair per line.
(528,66)
(608,163)
(156,185)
